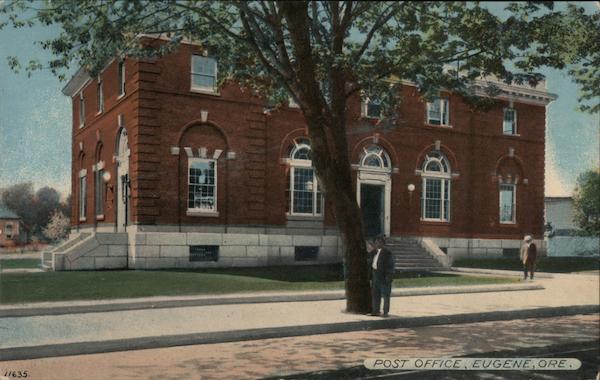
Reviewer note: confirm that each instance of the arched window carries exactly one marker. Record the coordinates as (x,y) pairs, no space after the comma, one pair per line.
(435,195)
(306,197)
(374,157)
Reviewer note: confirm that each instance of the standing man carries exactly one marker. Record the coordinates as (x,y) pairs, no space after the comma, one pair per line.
(382,275)
(528,256)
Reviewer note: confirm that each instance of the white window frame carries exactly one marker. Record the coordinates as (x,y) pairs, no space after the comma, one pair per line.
(100,95)
(304,164)
(365,109)
(196,88)
(445,178)
(121,75)
(203,211)
(292,103)
(99,190)
(514,203)
(9,234)
(81,110)
(381,154)
(444,120)
(82,195)
(504,123)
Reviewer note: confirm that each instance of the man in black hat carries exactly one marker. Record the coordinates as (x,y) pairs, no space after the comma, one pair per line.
(381,268)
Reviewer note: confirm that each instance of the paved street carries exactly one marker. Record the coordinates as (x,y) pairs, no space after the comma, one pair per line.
(327,352)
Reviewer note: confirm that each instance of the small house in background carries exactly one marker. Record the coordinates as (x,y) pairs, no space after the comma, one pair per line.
(562,234)
(12,230)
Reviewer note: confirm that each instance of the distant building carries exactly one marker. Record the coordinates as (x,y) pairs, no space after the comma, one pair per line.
(12,230)
(170,171)
(562,234)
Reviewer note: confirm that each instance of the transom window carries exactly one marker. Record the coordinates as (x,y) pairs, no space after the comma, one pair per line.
(306,197)
(202,185)
(374,157)
(509,124)
(435,196)
(204,73)
(508,204)
(438,112)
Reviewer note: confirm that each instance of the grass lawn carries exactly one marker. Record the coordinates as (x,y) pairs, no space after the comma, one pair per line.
(89,285)
(545,264)
(19,263)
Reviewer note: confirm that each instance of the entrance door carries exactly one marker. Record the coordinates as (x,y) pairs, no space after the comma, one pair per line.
(372,207)
(123,182)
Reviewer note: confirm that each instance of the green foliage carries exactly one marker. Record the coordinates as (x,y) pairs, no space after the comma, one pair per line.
(34,208)
(434,44)
(586,199)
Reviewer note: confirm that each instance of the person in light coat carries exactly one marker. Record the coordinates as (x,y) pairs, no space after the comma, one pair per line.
(528,256)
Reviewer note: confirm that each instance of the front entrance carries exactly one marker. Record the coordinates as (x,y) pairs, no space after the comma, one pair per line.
(372,207)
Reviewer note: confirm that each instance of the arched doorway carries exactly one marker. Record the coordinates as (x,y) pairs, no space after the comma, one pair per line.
(374,189)
(123,183)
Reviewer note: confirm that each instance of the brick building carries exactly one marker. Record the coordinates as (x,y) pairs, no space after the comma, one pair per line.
(169,171)
(12,230)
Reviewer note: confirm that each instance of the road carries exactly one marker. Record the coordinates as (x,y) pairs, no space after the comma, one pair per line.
(338,354)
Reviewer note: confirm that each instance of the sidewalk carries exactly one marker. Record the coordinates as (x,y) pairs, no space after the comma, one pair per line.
(69,334)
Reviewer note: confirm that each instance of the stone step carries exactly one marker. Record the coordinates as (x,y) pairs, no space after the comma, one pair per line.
(420,269)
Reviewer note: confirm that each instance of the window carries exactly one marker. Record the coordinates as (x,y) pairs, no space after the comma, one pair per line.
(292,102)
(374,157)
(9,230)
(509,125)
(371,108)
(202,185)
(81,110)
(204,73)
(438,112)
(100,96)
(100,185)
(508,203)
(435,195)
(306,197)
(121,70)
(82,196)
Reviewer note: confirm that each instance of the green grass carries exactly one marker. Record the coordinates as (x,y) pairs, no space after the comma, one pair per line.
(19,263)
(96,285)
(545,264)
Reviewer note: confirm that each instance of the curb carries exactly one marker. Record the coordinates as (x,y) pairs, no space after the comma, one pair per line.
(94,347)
(266,298)
(499,272)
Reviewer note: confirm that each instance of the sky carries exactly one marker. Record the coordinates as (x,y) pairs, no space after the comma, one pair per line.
(35,122)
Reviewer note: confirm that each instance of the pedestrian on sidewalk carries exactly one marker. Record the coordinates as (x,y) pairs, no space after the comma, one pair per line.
(381,270)
(528,256)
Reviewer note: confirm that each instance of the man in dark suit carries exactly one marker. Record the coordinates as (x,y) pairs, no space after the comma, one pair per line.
(381,270)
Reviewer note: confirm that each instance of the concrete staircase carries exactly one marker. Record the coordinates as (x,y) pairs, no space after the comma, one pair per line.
(73,239)
(409,255)
(88,251)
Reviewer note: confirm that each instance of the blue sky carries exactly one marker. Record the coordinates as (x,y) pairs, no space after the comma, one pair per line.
(35,122)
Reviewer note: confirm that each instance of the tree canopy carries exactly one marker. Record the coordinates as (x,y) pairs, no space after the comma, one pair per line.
(586,199)
(322,53)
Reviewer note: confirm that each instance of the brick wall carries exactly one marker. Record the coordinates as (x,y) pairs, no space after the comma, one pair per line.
(161,112)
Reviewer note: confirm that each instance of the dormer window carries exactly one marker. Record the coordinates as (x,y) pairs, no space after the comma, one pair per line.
(371,108)
(509,124)
(204,73)
(438,112)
